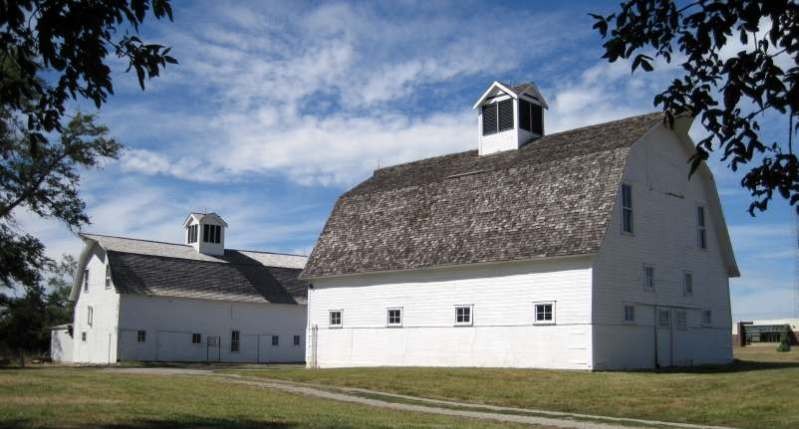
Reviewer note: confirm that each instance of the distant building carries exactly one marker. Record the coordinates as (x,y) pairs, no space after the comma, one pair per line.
(139,300)
(766,331)
(585,249)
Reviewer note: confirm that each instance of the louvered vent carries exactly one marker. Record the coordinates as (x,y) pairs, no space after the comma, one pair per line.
(489,119)
(537,117)
(505,115)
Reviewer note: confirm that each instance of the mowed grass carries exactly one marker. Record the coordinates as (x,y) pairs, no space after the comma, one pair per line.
(759,391)
(92,398)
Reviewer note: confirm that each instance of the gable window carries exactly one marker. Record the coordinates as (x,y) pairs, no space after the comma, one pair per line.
(664,318)
(394,317)
(141,336)
(701,230)
(296,340)
(193,229)
(335,318)
(463,315)
(687,284)
(196,338)
(275,340)
(682,320)
(497,117)
(212,233)
(90,315)
(108,276)
(629,313)
(531,117)
(649,277)
(234,341)
(85,280)
(83,336)
(707,317)
(627,208)
(545,312)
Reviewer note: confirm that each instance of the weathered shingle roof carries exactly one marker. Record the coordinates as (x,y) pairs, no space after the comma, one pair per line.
(174,270)
(553,197)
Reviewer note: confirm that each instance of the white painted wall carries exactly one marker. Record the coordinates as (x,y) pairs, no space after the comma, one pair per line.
(503,332)
(101,335)
(61,345)
(170,322)
(665,236)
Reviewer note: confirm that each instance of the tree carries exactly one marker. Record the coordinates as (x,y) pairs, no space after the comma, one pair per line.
(53,52)
(729,94)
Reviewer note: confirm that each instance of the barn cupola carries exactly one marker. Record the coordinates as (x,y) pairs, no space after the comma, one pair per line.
(509,117)
(206,233)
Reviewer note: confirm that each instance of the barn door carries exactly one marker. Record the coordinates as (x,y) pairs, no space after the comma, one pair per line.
(213,350)
(665,337)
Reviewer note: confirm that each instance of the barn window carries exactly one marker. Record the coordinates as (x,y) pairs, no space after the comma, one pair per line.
(85,280)
(196,338)
(664,318)
(90,315)
(234,341)
(629,313)
(296,340)
(141,336)
(275,340)
(531,117)
(682,320)
(497,117)
(701,230)
(707,317)
(335,318)
(627,208)
(394,317)
(545,312)
(212,233)
(687,284)
(463,315)
(83,336)
(649,277)
(108,276)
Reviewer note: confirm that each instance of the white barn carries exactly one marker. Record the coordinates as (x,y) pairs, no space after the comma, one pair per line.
(139,300)
(587,249)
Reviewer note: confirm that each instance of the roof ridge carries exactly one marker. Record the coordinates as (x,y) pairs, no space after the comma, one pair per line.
(234,264)
(186,245)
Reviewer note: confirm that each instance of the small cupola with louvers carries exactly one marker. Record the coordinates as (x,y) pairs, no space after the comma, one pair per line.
(509,117)
(206,233)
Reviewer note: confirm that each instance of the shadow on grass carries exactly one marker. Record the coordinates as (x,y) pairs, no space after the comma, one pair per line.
(736,366)
(188,423)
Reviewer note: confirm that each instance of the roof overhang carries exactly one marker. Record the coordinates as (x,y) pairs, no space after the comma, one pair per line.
(204,217)
(496,85)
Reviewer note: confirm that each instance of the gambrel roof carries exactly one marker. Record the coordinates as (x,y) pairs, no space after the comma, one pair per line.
(553,197)
(154,268)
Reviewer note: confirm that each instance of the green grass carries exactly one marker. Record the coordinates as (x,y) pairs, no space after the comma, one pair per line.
(91,398)
(758,391)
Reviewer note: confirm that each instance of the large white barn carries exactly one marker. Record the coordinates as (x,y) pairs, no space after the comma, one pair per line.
(139,300)
(586,249)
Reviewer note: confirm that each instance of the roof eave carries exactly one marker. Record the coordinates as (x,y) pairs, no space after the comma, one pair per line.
(501,86)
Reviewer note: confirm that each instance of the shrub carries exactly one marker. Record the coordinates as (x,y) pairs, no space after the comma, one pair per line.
(785,344)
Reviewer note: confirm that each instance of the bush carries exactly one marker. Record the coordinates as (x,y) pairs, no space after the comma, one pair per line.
(785,344)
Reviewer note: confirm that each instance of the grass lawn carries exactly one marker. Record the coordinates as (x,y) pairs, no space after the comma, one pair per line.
(91,398)
(759,391)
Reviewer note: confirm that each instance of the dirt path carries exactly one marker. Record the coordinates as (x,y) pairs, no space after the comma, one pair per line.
(550,419)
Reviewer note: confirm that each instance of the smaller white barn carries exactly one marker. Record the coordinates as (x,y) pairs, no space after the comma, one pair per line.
(140,300)
(61,344)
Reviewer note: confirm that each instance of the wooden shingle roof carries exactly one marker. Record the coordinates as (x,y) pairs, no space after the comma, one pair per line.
(552,197)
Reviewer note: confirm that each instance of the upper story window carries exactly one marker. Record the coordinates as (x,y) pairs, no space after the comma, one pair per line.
(497,117)
(531,117)
(394,317)
(296,340)
(701,230)
(649,277)
(707,317)
(212,233)
(192,233)
(108,276)
(235,338)
(463,315)
(275,340)
(335,318)
(629,313)
(627,208)
(196,338)
(664,319)
(545,312)
(141,336)
(90,315)
(687,284)
(85,280)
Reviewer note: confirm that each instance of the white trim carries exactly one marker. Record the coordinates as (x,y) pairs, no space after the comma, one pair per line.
(552,313)
(388,317)
(330,318)
(471,314)
(502,87)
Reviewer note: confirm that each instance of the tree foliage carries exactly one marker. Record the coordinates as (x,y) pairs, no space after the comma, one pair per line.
(53,52)
(729,93)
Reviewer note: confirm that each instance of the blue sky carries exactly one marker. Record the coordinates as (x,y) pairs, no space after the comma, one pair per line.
(277,108)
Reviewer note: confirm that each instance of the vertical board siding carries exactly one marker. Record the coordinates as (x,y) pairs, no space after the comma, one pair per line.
(664,216)
(502,333)
(101,337)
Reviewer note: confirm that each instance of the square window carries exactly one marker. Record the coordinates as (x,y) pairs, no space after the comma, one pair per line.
(196,338)
(296,340)
(649,277)
(687,284)
(629,313)
(141,336)
(664,319)
(335,318)
(545,312)
(234,341)
(463,315)
(275,340)
(394,317)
